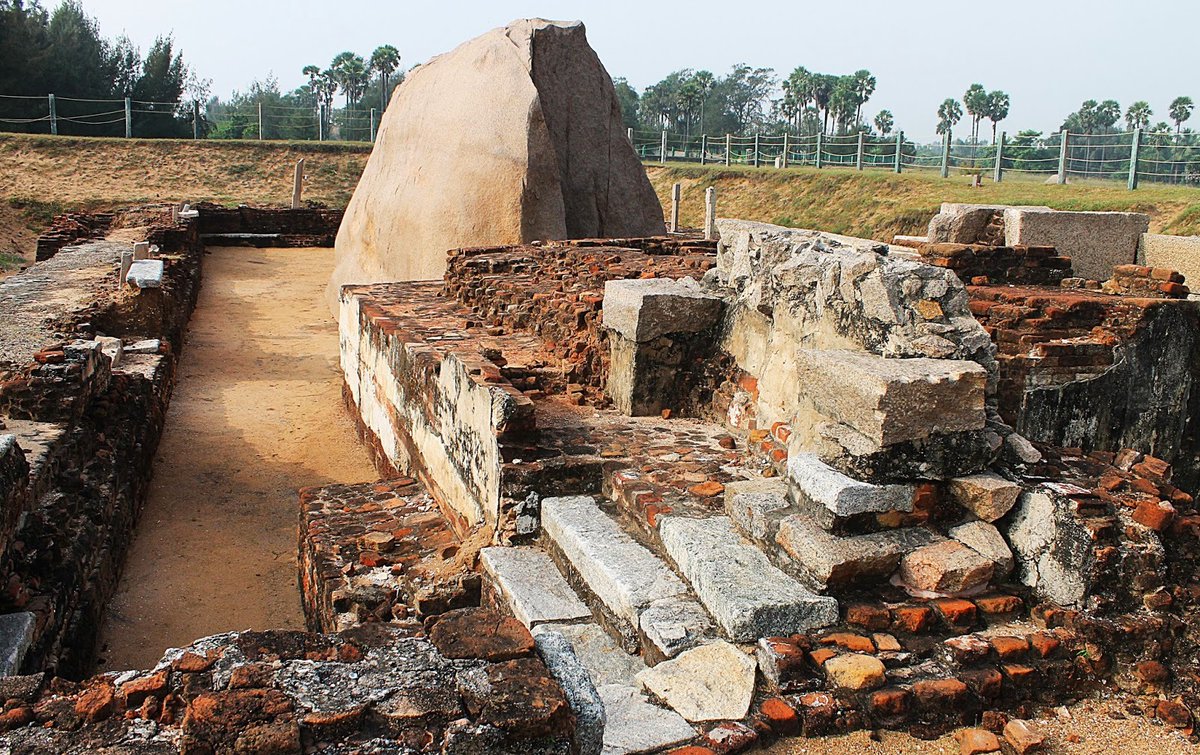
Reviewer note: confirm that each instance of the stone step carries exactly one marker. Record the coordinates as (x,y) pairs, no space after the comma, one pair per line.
(640,597)
(749,597)
(830,495)
(529,583)
(842,561)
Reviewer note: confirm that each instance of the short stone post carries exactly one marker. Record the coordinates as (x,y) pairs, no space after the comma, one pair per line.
(703,148)
(820,149)
(298,184)
(710,213)
(195,119)
(53,116)
(676,195)
(728,148)
(1062,157)
(899,150)
(260,122)
(946,154)
(629,135)
(784,162)
(126,263)
(1134,148)
(858,160)
(128,118)
(662,150)
(998,168)
(756,150)
(141,251)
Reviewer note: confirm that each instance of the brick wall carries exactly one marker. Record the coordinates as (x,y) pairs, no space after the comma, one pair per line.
(1018,265)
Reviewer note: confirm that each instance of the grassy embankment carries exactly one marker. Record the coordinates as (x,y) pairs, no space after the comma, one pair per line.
(878,204)
(41,176)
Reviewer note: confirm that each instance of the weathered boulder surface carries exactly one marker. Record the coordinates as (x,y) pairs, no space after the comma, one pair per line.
(512,137)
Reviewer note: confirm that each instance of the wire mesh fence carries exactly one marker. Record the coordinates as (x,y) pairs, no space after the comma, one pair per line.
(1129,156)
(129,117)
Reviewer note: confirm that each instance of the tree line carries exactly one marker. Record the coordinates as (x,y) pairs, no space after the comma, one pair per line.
(364,83)
(63,53)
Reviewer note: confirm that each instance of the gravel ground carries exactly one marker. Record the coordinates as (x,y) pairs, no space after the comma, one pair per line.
(1092,727)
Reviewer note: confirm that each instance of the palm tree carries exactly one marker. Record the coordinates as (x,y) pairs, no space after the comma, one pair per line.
(705,82)
(689,93)
(884,122)
(1138,115)
(997,109)
(1180,111)
(820,91)
(949,114)
(976,102)
(797,94)
(314,75)
(864,87)
(385,60)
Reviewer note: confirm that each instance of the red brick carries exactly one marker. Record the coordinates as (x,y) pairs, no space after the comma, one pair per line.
(890,702)
(781,716)
(874,618)
(911,619)
(1010,648)
(956,611)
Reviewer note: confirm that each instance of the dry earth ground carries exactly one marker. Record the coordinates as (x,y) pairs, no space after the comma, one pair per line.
(256,415)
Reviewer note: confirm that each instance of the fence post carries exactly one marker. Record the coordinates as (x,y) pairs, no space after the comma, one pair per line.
(53,116)
(710,213)
(703,149)
(128,118)
(298,184)
(372,125)
(998,168)
(899,149)
(858,158)
(785,149)
(756,149)
(728,147)
(629,135)
(946,154)
(818,155)
(195,119)
(321,121)
(260,122)
(1133,158)
(1062,157)
(676,195)
(662,150)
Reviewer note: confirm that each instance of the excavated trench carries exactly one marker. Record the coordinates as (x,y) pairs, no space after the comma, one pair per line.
(256,415)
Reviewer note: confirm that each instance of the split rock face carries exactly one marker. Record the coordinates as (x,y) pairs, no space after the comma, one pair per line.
(512,137)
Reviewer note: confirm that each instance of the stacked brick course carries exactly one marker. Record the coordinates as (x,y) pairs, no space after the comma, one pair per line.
(1146,282)
(555,290)
(979,264)
(69,229)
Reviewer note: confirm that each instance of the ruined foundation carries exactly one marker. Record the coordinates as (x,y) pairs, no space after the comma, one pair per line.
(635,494)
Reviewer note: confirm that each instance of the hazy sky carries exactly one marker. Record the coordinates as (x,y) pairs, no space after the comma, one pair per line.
(1048,55)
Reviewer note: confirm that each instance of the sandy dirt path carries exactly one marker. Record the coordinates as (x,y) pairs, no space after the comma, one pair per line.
(256,415)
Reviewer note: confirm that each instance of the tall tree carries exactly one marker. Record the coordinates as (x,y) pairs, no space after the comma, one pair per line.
(949,113)
(705,82)
(627,98)
(997,109)
(384,61)
(884,121)
(976,103)
(864,87)
(797,94)
(1180,111)
(1138,115)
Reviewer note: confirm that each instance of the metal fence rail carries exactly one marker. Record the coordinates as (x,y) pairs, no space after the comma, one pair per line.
(1129,156)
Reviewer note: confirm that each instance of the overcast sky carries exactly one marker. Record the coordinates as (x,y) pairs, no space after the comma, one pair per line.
(1049,55)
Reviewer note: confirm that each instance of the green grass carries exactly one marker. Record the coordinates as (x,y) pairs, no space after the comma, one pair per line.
(10,261)
(878,203)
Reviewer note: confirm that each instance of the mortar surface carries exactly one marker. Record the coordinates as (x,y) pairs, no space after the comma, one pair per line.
(256,415)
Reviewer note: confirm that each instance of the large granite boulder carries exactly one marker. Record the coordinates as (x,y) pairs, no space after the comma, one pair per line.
(513,136)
